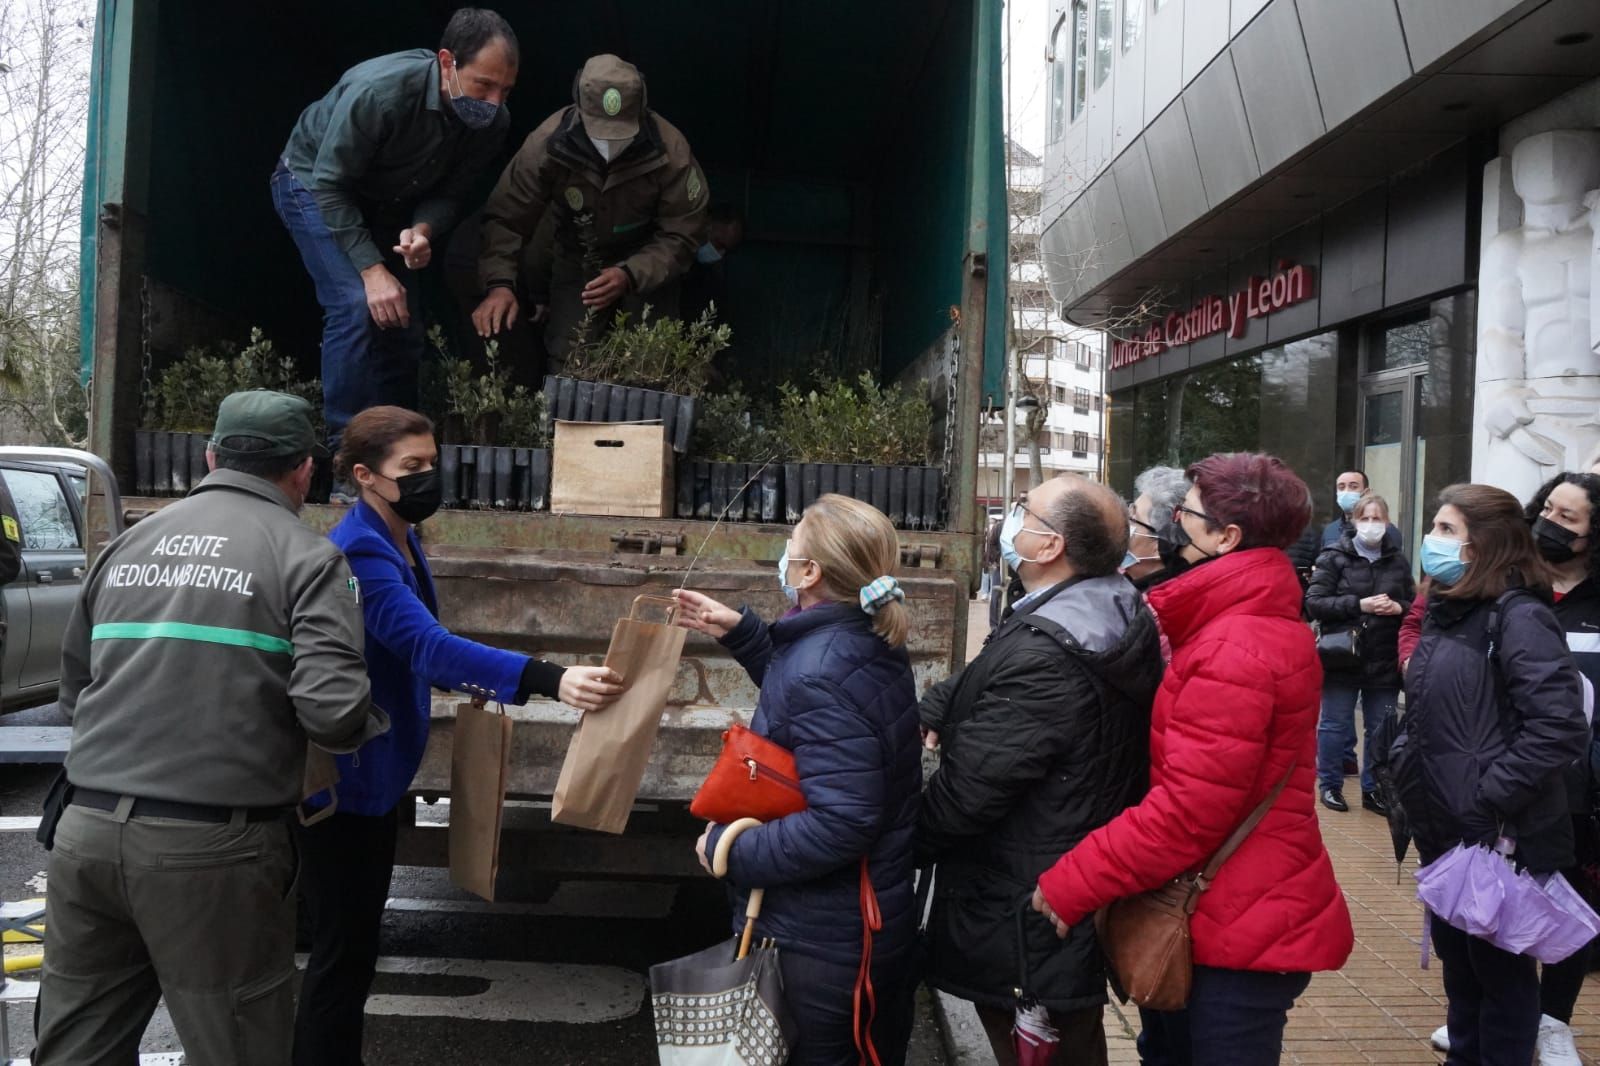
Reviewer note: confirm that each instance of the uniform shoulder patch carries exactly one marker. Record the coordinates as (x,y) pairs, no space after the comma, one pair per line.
(574,197)
(695,186)
(9,525)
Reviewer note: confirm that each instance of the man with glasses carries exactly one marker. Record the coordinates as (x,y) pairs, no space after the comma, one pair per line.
(1020,779)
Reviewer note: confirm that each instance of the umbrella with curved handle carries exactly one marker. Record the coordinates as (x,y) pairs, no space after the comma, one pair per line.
(719,868)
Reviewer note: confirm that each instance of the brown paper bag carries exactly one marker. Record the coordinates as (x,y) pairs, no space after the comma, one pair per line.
(480,760)
(608,754)
(321,775)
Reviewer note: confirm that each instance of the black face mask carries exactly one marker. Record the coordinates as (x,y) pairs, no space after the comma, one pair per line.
(1171,550)
(1554,541)
(420,495)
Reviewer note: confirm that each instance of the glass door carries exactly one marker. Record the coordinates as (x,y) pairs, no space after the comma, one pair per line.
(1393,454)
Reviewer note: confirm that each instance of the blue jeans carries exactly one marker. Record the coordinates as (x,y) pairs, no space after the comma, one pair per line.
(1234,1018)
(362,366)
(1336,733)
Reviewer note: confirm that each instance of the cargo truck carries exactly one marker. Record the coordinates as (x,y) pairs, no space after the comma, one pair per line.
(862,141)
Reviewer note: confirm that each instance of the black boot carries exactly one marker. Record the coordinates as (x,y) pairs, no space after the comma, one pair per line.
(1373,802)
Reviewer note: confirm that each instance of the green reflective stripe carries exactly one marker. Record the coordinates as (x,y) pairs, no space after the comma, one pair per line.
(239,638)
(629,227)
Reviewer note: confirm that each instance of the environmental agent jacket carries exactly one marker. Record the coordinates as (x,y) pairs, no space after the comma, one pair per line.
(1493,718)
(1044,737)
(644,211)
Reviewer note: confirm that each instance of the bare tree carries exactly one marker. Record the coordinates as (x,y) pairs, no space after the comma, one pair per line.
(45,51)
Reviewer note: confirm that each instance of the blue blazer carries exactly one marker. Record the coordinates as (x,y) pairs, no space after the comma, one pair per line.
(408,652)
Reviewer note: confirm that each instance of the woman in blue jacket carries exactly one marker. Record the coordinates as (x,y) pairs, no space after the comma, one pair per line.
(389,454)
(837,691)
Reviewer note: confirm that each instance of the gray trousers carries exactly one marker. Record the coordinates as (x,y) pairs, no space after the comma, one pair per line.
(140,908)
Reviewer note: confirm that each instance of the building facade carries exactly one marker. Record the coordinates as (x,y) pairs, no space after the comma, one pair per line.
(1280,210)
(1062,364)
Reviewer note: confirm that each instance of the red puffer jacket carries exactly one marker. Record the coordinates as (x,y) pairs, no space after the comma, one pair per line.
(1239,702)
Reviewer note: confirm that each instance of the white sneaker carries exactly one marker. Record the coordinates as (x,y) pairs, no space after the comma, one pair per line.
(1556,1047)
(1440,1038)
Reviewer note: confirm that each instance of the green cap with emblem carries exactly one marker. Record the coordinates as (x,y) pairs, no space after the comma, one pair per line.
(282,421)
(610,98)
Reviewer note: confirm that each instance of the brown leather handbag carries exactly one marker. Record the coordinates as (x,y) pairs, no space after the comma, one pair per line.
(1145,938)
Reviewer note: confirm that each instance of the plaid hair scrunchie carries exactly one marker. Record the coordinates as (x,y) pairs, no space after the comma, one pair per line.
(880,593)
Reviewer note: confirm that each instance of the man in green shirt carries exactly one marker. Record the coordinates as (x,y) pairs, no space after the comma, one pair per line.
(373,173)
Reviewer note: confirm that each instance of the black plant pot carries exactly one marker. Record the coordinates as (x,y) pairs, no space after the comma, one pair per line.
(168,463)
(912,496)
(482,477)
(736,492)
(571,400)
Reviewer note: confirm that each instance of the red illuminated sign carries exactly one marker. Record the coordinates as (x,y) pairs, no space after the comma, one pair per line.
(1213,314)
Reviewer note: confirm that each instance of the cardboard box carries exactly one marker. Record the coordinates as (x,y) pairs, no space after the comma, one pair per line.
(612,468)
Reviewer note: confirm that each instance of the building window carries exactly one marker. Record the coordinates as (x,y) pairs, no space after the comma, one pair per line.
(1080,443)
(1058,81)
(1105,17)
(1080,56)
(1132,23)
(1080,401)
(1080,355)
(1393,345)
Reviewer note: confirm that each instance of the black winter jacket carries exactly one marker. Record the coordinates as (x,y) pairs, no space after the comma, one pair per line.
(1341,579)
(1488,731)
(845,703)
(1578,612)
(1041,744)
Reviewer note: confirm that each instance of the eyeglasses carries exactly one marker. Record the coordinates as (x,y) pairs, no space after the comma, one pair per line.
(1048,528)
(1136,528)
(1180,510)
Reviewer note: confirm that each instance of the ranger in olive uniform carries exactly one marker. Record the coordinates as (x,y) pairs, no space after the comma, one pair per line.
(211,641)
(617,178)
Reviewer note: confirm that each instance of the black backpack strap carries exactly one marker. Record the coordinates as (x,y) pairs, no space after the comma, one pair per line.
(1497,610)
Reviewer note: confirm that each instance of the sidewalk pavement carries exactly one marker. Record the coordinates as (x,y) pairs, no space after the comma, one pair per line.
(1382,1007)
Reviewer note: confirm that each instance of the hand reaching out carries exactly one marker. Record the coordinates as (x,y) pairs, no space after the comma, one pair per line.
(703,614)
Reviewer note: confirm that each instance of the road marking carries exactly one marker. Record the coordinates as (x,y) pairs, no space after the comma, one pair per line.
(18,824)
(517,992)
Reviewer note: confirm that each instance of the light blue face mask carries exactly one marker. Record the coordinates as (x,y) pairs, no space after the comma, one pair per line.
(1008,538)
(474,114)
(790,593)
(1441,559)
(1348,501)
(708,254)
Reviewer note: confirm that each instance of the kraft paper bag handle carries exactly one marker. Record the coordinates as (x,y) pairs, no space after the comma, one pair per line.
(672,606)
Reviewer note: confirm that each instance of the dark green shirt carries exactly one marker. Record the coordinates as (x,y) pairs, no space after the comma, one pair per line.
(384,146)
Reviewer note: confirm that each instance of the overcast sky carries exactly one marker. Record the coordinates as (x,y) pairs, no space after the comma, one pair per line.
(1029,24)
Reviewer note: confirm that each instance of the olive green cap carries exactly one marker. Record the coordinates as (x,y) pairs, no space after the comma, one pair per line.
(281,420)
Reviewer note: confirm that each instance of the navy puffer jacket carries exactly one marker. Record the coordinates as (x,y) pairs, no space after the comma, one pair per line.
(845,703)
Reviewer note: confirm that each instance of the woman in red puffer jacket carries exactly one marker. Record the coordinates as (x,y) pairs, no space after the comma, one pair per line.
(1238,708)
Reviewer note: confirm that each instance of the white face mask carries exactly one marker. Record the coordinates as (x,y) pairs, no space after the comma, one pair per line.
(1370,533)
